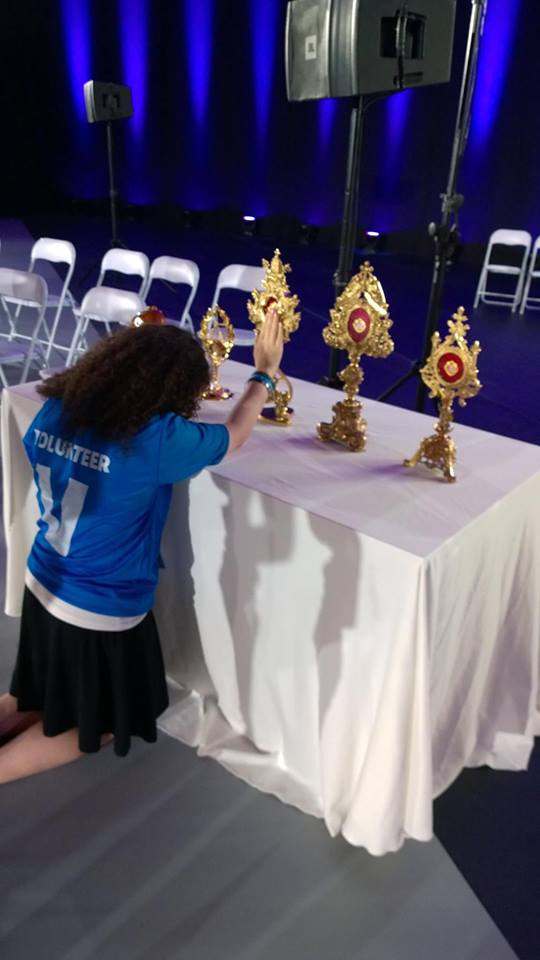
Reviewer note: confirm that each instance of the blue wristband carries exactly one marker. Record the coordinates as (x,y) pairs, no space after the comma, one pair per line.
(265,379)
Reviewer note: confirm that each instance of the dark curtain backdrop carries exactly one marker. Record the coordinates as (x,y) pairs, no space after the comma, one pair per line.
(213,129)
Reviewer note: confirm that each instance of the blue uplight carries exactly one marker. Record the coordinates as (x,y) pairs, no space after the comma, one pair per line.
(494,60)
(264,33)
(77,36)
(134,20)
(327,114)
(199,16)
(398,107)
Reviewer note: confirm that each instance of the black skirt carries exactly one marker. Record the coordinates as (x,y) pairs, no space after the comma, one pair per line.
(99,681)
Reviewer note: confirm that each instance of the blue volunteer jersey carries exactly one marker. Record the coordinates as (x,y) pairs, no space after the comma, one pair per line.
(103,506)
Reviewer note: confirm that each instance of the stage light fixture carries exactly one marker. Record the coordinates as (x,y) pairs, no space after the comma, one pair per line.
(108,102)
(370,241)
(249,225)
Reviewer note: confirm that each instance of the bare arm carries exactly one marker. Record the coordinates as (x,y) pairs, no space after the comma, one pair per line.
(267,354)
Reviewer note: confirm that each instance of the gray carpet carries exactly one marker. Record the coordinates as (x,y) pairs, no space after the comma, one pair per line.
(165,856)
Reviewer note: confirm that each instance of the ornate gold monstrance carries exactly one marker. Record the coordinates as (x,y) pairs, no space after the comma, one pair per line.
(449,372)
(275,290)
(359,324)
(217,337)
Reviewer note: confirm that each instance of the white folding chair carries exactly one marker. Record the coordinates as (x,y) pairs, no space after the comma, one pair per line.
(533,273)
(178,271)
(238,276)
(504,238)
(56,251)
(117,260)
(129,262)
(105,305)
(24,289)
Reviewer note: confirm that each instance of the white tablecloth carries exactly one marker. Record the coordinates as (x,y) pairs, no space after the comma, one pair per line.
(352,633)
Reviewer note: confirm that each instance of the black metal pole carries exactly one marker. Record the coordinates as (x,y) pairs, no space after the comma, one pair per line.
(113,196)
(445,234)
(349,226)
(115,242)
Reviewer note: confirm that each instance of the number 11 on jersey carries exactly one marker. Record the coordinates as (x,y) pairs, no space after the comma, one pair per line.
(60,532)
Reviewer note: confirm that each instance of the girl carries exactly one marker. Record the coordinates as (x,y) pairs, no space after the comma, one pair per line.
(113,436)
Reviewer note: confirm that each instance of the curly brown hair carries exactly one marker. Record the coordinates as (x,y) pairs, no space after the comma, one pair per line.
(130,377)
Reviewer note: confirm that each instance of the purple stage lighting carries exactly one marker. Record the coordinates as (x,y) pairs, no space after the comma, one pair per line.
(327,113)
(398,106)
(134,20)
(76,23)
(494,60)
(199,15)
(264,33)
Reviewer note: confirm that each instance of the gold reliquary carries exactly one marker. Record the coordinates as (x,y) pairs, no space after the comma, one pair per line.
(450,373)
(275,292)
(359,324)
(217,337)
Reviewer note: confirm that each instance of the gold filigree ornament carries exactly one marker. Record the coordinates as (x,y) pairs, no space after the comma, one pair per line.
(275,290)
(217,337)
(450,373)
(283,391)
(359,324)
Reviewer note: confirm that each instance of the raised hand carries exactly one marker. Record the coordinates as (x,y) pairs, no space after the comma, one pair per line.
(268,349)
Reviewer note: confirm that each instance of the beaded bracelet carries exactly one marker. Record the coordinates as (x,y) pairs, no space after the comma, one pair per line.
(265,379)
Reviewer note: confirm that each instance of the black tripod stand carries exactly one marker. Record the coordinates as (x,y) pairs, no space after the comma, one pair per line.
(445,234)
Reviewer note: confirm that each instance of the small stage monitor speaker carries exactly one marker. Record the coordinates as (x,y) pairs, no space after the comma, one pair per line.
(107,101)
(345,48)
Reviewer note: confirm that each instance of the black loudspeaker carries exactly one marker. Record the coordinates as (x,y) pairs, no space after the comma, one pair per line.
(344,48)
(107,101)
